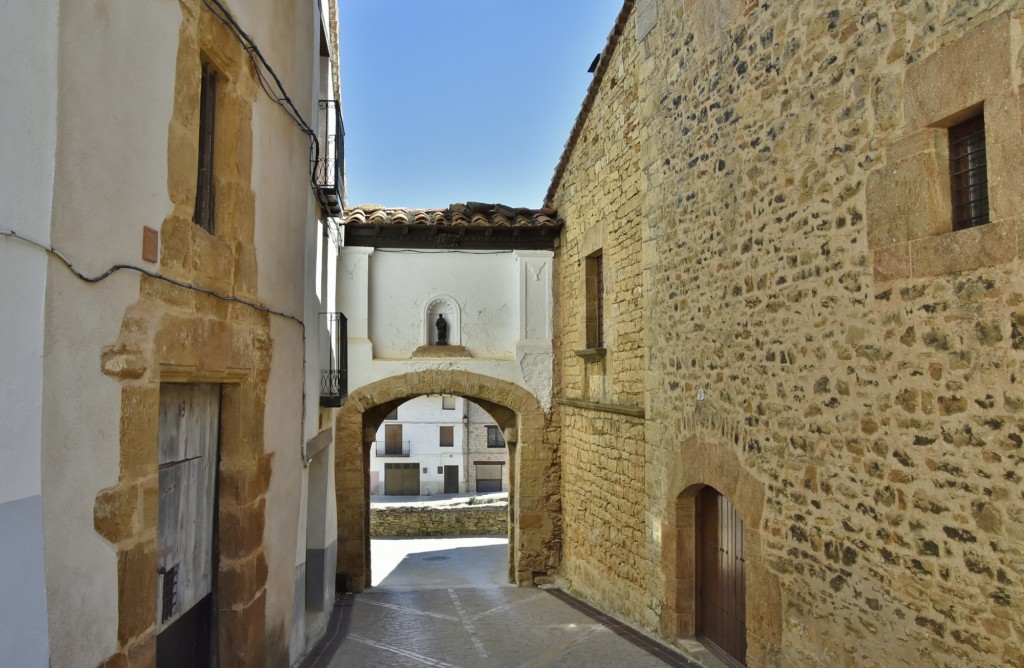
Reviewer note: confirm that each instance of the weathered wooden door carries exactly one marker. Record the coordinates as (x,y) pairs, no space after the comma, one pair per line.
(721,579)
(451,479)
(393,439)
(186,561)
(402,479)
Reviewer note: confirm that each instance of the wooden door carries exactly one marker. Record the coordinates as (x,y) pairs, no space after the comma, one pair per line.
(721,579)
(451,479)
(402,479)
(186,562)
(393,439)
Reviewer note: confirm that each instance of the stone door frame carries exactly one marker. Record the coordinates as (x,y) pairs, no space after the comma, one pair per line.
(534,524)
(711,463)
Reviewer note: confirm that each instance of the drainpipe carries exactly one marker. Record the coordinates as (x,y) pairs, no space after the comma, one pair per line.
(465,444)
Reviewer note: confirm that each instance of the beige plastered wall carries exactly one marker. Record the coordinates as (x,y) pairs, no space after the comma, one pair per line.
(859,363)
(127,128)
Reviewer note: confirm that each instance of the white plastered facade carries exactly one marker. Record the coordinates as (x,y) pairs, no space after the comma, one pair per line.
(503,302)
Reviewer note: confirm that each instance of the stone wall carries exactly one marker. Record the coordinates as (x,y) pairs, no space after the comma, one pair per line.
(487,520)
(602,449)
(847,373)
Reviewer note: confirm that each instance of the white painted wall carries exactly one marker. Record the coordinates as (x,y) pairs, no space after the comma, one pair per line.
(503,303)
(117,69)
(317,526)
(28,49)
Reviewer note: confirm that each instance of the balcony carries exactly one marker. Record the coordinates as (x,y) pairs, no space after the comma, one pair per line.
(334,379)
(391,448)
(329,160)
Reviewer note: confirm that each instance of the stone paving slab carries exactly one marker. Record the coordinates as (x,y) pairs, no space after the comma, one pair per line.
(493,626)
(449,607)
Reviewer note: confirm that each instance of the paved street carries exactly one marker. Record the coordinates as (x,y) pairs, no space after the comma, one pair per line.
(445,603)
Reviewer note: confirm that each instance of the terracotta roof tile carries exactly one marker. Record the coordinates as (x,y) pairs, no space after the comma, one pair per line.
(471,214)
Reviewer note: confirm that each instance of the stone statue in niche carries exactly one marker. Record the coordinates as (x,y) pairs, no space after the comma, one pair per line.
(442,330)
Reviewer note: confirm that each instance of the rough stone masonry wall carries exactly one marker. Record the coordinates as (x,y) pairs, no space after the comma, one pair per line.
(490,520)
(602,451)
(880,410)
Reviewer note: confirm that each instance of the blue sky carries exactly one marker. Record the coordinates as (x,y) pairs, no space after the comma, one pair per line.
(454,100)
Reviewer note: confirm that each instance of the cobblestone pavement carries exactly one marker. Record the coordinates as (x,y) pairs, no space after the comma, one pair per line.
(460,618)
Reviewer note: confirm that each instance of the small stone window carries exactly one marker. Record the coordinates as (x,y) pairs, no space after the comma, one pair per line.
(447,437)
(594,291)
(447,402)
(494,437)
(203,216)
(968,173)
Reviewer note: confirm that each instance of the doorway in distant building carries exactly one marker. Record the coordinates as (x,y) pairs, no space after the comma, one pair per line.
(451,479)
(188,437)
(720,576)
(402,479)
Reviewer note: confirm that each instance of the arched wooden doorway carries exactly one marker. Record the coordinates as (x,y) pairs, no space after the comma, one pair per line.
(721,576)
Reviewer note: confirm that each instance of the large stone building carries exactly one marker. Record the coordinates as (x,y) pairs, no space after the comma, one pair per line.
(165,254)
(788,329)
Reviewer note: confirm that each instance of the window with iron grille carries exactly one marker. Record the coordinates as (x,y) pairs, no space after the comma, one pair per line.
(494,437)
(203,216)
(594,294)
(968,173)
(447,437)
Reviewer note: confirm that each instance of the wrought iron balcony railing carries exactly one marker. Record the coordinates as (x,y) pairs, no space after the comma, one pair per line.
(329,163)
(332,388)
(392,448)
(334,379)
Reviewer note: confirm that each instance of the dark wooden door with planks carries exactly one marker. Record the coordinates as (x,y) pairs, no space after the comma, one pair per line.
(451,479)
(721,580)
(186,531)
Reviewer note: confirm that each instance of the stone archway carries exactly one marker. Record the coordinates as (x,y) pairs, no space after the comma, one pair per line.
(534,522)
(719,467)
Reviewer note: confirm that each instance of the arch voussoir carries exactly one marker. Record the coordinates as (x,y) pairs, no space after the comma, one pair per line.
(532,539)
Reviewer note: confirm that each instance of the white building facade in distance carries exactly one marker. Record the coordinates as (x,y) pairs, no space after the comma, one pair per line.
(438,444)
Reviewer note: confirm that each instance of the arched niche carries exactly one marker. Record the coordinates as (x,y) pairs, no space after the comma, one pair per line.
(447,306)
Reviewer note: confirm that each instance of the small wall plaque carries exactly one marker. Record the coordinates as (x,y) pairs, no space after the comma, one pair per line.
(150,244)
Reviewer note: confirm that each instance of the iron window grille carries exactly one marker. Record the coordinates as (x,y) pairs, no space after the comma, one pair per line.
(968,173)
(594,295)
(494,437)
(334,379)
(203,216)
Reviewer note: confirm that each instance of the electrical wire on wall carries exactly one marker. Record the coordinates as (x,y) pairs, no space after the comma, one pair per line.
(274,89)
(115,268)
(152,274)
